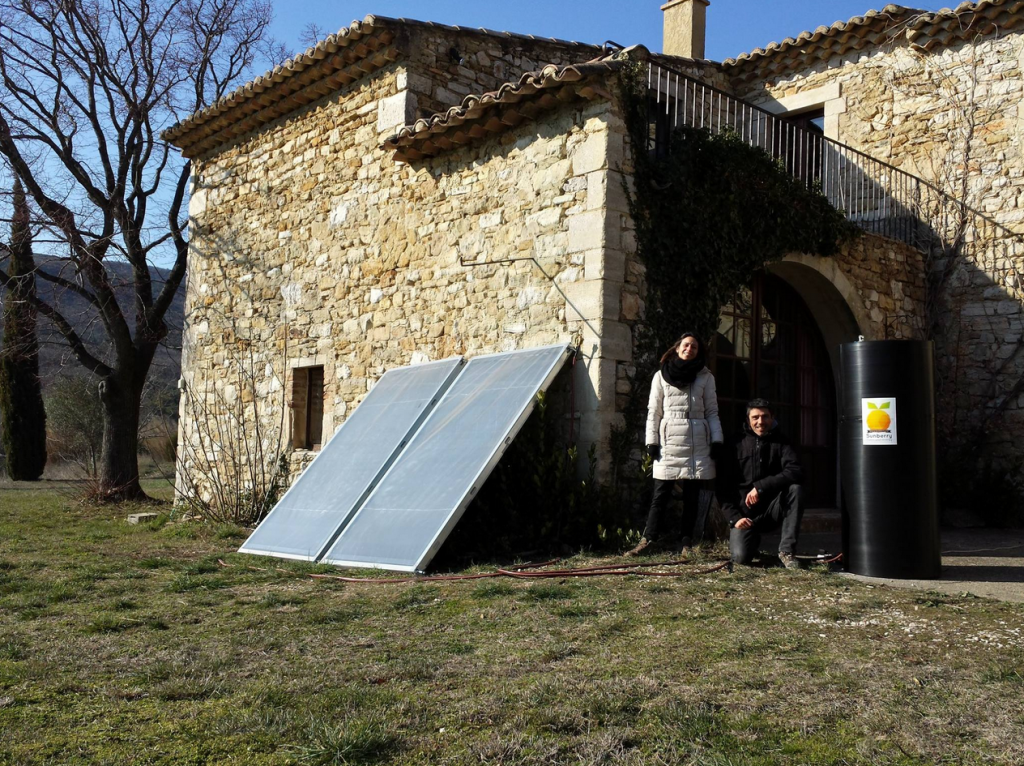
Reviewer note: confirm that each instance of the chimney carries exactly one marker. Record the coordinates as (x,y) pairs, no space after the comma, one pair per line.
(685,22)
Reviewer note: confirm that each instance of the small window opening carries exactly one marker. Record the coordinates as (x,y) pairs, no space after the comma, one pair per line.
(813,121)
(308,408)
(802,150)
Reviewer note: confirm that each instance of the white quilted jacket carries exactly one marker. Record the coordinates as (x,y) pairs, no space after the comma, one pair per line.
(684,421)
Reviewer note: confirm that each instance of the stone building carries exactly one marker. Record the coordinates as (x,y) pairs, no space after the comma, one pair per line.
(405,191)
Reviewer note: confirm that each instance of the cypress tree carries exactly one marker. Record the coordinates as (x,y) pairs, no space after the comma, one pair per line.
(21,398)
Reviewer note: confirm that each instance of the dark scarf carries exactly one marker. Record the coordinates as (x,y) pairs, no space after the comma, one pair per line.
(680,372)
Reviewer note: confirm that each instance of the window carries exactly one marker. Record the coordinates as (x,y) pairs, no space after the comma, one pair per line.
(307,407)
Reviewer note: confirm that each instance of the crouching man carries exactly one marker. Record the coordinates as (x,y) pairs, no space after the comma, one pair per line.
(759,487)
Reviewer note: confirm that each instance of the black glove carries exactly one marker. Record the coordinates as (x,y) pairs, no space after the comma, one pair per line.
(718,452)
(654,450)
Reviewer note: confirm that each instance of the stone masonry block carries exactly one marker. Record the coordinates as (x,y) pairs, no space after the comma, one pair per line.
(591,155)
(592,299)
(610,340)
(592,230)
(395,111)
(142,518)
(197,203)
(604,264)
(605,190)
(616,151)
(595,391)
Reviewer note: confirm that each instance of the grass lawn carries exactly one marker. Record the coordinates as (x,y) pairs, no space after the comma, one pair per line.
(126,644)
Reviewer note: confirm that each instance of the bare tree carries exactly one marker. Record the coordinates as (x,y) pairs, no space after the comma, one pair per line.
(88,85)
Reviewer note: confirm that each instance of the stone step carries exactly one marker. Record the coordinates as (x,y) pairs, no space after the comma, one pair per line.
(822,520)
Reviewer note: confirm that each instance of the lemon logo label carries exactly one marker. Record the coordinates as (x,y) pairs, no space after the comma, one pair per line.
(879,418)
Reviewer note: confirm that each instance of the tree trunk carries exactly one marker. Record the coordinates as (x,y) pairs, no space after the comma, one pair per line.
(21,396)
(121,396)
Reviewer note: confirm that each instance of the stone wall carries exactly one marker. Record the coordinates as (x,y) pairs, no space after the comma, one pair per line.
(445,65)
(878,282)
(888,281)
(311,246)
(917,110)
(955,117)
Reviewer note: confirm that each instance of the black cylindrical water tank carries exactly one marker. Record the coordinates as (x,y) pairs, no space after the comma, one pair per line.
(887,459)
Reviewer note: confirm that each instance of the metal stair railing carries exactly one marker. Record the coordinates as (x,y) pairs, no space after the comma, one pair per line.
(875,195)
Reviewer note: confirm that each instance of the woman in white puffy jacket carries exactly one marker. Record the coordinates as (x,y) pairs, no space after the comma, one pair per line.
(682,426)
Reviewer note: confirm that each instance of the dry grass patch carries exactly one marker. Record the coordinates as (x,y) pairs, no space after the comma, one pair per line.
(132,644)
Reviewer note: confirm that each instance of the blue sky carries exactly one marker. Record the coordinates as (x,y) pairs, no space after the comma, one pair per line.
(734,26)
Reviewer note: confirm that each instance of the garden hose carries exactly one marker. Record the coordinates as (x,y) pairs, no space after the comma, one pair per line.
(522,572)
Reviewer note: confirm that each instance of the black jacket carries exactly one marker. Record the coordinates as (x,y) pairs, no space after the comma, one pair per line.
(767,462)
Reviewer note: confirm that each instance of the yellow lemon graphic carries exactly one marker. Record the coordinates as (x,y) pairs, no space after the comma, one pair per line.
(878,420)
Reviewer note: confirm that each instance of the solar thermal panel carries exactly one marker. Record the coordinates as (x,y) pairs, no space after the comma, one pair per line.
(317,506)
(414,507)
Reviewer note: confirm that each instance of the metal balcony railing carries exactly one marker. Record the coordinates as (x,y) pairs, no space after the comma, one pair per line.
(875,195)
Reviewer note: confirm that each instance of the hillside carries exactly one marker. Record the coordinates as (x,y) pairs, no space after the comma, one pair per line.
(56,358)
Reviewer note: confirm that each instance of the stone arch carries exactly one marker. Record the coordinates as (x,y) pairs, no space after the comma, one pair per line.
(831,298)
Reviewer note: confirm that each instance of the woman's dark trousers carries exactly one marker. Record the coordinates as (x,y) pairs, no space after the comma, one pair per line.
(659,507)
(785,511)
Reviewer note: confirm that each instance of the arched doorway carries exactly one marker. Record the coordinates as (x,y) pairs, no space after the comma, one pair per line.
(769,346)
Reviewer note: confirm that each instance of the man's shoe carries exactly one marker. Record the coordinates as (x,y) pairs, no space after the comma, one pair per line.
(644,547)
(789,561)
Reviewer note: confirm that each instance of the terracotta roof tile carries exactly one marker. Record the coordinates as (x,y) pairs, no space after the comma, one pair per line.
(487,114)
(877,28)
(354,51)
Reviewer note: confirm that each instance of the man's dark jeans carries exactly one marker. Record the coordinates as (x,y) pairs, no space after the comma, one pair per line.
(785,510)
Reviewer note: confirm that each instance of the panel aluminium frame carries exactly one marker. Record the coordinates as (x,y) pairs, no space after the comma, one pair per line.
(324,498)
(427,490)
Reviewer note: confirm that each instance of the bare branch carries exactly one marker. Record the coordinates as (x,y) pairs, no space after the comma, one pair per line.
(86,87)
(85,358)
